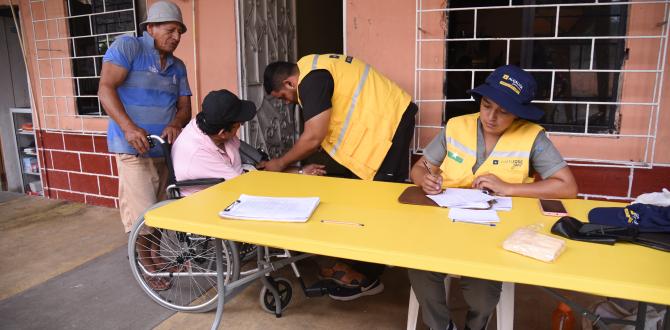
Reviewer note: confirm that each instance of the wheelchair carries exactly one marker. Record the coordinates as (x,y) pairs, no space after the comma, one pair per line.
(188,260)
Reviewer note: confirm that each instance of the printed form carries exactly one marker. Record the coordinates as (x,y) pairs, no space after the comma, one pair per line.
(283,209)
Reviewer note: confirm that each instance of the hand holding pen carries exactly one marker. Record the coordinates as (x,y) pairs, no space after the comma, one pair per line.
(432,183)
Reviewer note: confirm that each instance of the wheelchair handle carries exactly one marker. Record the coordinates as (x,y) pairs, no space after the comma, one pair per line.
(151,139)
(165,148)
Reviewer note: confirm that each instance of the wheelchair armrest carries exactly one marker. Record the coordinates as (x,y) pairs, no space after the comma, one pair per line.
(199,182)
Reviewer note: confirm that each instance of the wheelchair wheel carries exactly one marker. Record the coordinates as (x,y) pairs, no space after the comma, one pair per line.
(178,270)
(267,300)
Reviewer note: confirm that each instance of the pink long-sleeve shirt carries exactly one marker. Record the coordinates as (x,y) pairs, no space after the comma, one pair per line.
(195,156)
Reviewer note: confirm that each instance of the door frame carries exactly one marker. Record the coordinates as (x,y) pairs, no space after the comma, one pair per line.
(240,44)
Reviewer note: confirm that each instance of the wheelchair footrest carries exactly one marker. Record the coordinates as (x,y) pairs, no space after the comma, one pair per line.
(319,288)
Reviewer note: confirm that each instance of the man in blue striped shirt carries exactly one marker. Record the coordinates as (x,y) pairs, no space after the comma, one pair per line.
(144,90)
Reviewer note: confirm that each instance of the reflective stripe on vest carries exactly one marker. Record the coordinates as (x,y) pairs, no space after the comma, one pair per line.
(314,61)
(509,160)
(354,99)
(459,145)
(366,109)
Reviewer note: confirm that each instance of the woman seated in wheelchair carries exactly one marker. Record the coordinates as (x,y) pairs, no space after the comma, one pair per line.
(208,147)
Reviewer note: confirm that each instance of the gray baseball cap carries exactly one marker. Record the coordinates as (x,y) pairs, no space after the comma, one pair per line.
(161,12)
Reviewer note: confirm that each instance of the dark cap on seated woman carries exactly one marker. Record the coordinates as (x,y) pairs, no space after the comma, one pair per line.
(513,89)
(221,109)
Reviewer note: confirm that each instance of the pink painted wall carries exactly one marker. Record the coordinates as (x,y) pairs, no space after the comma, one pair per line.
(217,39)
(382,33)
(649,19)
(663,137)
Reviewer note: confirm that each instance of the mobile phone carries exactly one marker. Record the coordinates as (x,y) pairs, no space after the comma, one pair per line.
(552,207)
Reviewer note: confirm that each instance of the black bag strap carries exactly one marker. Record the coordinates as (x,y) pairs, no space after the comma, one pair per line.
(659,241)
(620,233)
(569,227)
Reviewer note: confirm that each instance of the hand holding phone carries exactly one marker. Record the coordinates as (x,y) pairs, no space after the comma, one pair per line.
(552,207)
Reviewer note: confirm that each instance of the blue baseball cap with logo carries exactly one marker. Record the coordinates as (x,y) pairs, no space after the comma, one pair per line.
(645,217)
(513,89)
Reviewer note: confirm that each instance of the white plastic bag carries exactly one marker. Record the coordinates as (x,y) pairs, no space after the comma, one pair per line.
(531,243)
(655,198)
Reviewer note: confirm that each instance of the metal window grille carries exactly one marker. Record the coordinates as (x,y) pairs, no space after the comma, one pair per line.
(430,71)
(70,38)
(266,33)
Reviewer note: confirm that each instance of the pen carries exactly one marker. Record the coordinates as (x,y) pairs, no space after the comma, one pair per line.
(425,163)
(231,205)
(337,222)
(477,223)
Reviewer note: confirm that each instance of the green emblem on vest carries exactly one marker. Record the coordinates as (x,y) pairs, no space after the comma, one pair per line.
(454,156)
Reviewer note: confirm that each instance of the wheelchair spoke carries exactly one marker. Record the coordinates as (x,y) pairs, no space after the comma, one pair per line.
(186,260)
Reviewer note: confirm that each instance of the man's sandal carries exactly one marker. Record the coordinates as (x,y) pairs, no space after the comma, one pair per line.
(343,275)
(158,283)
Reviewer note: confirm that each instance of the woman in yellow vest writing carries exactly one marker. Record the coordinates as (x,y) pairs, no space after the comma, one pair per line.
(496,149)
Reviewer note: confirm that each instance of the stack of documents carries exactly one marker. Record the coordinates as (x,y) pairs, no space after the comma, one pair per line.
(463,198)
(502,203)
(472,205)
(283,209)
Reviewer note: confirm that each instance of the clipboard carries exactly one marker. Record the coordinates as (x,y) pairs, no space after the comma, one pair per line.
(414,195)
(263,208)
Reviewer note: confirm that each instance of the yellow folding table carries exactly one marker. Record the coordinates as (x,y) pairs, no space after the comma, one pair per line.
(364,221)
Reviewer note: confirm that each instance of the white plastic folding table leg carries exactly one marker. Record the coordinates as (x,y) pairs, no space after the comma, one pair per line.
(505,307)
(412,310)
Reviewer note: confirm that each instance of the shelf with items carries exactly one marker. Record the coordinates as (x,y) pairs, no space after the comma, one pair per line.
(29,151)
(26,147)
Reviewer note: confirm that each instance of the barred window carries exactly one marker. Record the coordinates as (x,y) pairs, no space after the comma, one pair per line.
(576,54)
(94,25)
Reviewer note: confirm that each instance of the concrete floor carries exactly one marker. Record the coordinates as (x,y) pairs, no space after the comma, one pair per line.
(41,239)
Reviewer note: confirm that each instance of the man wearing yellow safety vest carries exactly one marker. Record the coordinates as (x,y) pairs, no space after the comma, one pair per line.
(496,149)
(360,119)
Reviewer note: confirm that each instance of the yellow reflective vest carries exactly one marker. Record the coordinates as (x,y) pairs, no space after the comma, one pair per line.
(509,160)
(367,108)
